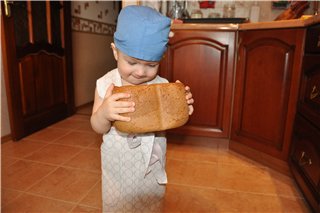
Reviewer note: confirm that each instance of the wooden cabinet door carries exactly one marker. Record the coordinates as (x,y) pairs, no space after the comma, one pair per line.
(203,60)
(36,40)
(266,90)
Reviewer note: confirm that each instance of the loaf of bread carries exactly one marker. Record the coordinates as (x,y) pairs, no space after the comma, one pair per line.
(157,107)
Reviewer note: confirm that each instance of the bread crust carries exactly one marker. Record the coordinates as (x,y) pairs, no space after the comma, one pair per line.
(158,107)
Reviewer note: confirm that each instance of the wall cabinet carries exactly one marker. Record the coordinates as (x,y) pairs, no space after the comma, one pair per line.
(305,152)
(266,92)
(203,60)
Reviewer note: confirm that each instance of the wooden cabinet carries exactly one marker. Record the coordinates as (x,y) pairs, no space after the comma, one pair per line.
(305,159)
(203,60)
(266,92)
(305,152)
(266,119)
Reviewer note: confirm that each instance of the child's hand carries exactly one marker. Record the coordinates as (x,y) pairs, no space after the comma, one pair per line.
(113,106)
(189,98)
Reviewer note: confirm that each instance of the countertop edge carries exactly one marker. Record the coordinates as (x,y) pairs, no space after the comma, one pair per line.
(293,23)
(230,27)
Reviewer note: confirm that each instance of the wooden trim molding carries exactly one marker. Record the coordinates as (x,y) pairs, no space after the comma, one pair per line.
(29,9)
(6,138)
(265,159)
(48,11)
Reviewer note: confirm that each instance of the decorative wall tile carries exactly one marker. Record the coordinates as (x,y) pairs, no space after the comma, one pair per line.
(98,17)
(90,26)
(101,11)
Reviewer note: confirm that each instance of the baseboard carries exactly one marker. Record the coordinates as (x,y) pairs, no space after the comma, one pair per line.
(84,105)
(197,140)
(6,138)
(84,109)
(271,162)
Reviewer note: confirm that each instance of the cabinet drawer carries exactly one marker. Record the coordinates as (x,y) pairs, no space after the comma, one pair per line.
(306,149)
(313,40)
(310,88)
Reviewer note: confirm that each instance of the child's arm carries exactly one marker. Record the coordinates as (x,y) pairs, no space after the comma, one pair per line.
(107,110)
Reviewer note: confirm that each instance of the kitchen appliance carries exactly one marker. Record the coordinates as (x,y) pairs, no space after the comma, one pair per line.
(178,9)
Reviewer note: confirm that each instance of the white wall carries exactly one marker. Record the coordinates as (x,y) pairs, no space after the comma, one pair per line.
(93,25)
(92,58)
(242,8)
(5,122)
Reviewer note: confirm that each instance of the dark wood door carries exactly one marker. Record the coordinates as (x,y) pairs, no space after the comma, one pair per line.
(266,90)
(204,61)
(36,49)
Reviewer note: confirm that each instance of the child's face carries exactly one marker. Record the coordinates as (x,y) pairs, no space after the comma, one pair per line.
(134,71)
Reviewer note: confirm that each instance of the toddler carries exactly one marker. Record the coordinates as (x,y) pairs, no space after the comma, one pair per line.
(133,166)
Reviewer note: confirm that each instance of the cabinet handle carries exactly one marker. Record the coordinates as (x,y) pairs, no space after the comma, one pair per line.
(7,8)
(314,93)
(304,160)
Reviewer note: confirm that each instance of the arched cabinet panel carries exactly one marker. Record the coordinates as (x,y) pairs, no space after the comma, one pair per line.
(266,90)
(262,88)
(203,60)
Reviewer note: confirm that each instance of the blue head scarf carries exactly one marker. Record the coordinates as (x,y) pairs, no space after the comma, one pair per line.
(142,33)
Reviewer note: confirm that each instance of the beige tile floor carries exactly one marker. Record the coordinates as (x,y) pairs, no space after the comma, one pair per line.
(58,170)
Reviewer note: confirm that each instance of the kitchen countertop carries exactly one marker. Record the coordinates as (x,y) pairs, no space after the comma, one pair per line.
(304,21)
(293,23)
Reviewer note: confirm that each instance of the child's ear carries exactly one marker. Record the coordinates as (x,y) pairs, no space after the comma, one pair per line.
(115,51)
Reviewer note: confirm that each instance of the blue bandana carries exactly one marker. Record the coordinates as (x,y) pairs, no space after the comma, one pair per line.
(142,33)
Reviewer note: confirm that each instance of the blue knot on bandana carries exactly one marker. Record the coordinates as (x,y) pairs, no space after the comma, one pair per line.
(142,33)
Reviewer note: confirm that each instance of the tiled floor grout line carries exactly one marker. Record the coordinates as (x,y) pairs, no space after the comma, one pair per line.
(26,191)
(57,165)
(82,148)
(183,160)
(50,142)
(79,169)
(11,201)
(78,203)
(39,180)
(38,150)
(72,145)
(86,131)
(231,190)
(50,198)
(97,172)
(100,210)
(234,161)
(30,140)
(75,204)
(218,162)
(29,154)
(42,196)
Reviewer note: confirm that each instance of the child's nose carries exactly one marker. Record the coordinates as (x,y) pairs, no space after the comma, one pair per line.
(140,71)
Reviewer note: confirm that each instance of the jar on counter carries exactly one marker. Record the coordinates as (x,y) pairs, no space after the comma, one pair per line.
(196,14)
(229,10)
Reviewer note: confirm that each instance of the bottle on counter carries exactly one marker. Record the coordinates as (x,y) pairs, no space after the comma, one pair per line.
(196,13)
(229,10)
(255,12)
